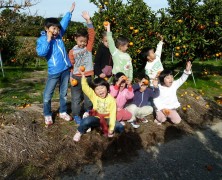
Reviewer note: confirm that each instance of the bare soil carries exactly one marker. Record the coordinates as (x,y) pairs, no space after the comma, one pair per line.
(29,150)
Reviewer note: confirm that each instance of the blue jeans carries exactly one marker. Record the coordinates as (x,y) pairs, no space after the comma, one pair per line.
(77,95)
(93,122)
(63,79)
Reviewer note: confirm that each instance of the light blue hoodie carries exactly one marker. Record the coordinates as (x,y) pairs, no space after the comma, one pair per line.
(54,51)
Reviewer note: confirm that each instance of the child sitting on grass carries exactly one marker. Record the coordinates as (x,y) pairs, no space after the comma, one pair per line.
(140,106)
(104,109)
(122,91)
(167,103)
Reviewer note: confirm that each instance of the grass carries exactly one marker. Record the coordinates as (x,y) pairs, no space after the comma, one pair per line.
(206,74)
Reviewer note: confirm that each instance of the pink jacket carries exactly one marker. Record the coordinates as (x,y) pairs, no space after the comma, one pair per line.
(121,96)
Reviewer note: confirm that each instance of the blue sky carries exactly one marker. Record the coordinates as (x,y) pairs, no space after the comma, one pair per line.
(55,8)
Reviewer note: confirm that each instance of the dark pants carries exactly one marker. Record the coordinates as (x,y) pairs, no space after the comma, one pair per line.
(77,95)
(93,122)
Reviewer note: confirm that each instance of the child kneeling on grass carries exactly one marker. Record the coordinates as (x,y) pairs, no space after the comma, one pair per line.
(167,103)
(104,109)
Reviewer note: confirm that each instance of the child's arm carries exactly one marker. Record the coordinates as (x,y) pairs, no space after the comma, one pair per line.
(71,57)
(114,90)
(159,46)
(131,71)
(184,76)
(111,43)
(91,31)
(85,87)
(130,93)
(112,117)
(66,19)
(42,47)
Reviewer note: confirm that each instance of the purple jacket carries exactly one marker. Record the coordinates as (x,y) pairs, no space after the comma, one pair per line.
(144,98)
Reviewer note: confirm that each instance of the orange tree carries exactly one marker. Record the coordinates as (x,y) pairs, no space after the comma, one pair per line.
(192,30)
(134,20)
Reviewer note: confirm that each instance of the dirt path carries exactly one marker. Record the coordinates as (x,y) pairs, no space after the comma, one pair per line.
(197,156)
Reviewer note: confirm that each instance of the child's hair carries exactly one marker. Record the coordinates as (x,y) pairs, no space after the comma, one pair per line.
(100,82)
(121,41)
(163,74)
(104,34)
(81,33)
(145,52)
(117,76)
(52,22)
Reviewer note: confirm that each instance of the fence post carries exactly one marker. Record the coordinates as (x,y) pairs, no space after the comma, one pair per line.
(3,74)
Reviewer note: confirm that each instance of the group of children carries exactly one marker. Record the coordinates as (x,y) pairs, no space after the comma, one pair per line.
(105,85)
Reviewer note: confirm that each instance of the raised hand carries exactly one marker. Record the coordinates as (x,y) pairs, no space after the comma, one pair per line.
(72,7)
(86,16)
(188,66)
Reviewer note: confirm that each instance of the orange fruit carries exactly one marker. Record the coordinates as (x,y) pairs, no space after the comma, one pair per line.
(105,23)
(131,27)
(106,78)
(82,68)
(124,78)
(177,54)
(131,43)
(178,47)
(136,31)
(146,82)
(74,82)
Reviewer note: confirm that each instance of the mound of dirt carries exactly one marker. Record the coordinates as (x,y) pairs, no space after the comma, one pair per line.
(29,150)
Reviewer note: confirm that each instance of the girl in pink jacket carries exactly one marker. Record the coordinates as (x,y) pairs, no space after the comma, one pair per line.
(122,91)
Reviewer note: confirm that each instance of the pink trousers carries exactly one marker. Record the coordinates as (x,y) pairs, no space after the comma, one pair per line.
(123,115)
(172,115)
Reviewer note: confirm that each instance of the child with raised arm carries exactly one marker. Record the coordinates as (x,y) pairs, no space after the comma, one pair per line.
(167,103)
(122,91)
(81,56)
(103,58)
(104,109)
(122,61)
(51,46)
(140,107)
(153,62)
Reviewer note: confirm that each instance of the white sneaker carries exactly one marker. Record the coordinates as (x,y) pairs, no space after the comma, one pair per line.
(85,115)
(48,120)
(135,125)
(65,116)
(89,130)
(77,136)
(123,123)
(157,122)
(131,120)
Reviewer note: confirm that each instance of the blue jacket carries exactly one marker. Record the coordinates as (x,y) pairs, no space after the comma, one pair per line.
(141,99)
(55,51)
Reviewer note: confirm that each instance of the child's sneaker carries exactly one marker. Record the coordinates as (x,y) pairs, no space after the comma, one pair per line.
(77,119)
(131,120)
(135,125)
(157,122)
(77,136)
(65,116)
(89,130)
(85,115)
(143,120)
(123,123)
(48,120)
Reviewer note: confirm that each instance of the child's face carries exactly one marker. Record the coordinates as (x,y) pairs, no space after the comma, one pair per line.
(123,48)
(168,80)
(151,56)
(81,41)
(143,88)
(104,41)
(54,30)
(101,91)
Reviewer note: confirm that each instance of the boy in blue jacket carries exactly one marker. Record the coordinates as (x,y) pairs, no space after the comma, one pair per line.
(140,106)
(50,45)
